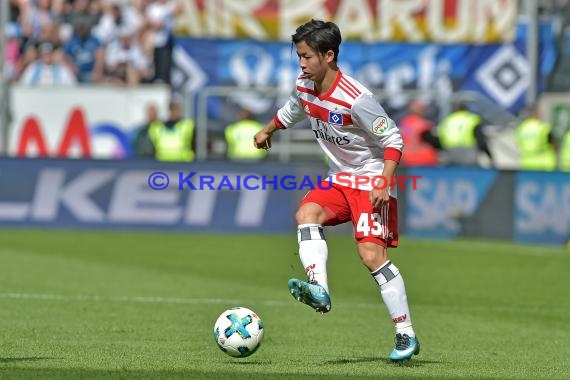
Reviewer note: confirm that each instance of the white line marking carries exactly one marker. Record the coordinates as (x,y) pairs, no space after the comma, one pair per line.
(221,301)
(95,298)
(141,299)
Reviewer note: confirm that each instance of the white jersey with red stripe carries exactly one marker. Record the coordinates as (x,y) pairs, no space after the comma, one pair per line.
(349,124)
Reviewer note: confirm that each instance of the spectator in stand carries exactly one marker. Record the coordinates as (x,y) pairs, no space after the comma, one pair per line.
(11,54)
(85,54)
(13,35)
(71,13)
(107,30)
(48,69)
(142,144)
(33,16)
(26,57)
(49,33)
(160,16)
(83,12)
(125,61)
(420,144)
(117,16)
(62,15)
(15,11)
(96,10)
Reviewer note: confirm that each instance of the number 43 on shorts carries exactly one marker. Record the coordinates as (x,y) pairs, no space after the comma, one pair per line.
(371,224)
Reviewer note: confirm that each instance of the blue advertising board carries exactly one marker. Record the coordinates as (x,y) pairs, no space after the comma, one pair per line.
(210,197)
(223,197)
(542,207)
(443,198)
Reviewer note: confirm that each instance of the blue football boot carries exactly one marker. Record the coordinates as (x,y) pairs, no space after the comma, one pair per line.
(405,348)
(310,293)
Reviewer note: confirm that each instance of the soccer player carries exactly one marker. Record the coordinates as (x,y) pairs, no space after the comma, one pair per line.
(361,142)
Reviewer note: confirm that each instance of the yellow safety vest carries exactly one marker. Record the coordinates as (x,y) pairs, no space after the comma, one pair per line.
(239,137)
(456,130)
(565,152)
(535,151)
(173,144)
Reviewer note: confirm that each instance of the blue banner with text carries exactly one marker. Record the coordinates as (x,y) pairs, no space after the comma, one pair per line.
(499,71)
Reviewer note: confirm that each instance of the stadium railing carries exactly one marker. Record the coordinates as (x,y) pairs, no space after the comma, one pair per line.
(215,106)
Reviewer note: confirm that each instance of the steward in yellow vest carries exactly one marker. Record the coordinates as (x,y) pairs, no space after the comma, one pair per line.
(239,138)
(535,142)
(461,135)
(173,140)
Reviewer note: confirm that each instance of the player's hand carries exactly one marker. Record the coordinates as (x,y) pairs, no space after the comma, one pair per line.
(379,197)
(262,140)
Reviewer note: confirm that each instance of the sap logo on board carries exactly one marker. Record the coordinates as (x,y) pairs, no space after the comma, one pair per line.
(542,207)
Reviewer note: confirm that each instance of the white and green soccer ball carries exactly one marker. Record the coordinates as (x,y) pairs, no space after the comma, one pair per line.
(238,332)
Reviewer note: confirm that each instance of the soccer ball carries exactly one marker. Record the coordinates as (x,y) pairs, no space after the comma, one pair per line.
(238,332)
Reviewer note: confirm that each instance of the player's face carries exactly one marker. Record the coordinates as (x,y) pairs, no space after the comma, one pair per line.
(313,64)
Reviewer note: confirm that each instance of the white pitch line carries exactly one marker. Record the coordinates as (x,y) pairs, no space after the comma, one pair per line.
(96,298)
(142,299)
(221,301)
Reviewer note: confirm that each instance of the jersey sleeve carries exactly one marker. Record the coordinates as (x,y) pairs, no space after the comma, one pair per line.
(369,115)
(290,114)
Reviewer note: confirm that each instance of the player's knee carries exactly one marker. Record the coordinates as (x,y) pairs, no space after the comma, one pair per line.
(372,255)
(310,213)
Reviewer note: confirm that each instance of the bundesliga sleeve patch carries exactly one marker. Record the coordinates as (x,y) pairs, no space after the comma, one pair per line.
(379,125)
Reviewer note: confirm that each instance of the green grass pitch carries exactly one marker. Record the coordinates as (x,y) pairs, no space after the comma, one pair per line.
(117,305)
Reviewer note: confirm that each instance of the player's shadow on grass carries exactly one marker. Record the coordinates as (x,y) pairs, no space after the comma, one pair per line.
(25,359)
(353,360)
(411,363)
(252,362)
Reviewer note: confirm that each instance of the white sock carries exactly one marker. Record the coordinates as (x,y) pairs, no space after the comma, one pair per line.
(393,293)
(313,252)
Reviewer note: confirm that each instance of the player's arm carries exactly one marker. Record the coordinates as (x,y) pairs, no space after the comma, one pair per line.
(369,115)
(389,168)
(287,116)
(381,195)
(262,139)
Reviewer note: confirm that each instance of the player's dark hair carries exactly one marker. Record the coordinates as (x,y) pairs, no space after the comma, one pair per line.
(321,36)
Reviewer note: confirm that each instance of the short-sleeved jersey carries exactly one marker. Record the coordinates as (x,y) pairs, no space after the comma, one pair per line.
(349,124)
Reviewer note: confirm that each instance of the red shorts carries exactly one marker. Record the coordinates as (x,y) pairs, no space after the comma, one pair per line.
(377,225)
